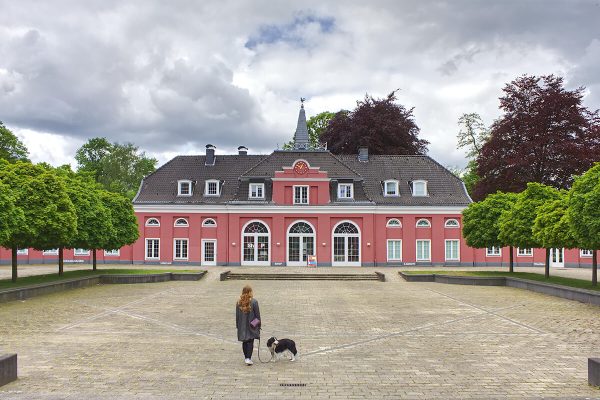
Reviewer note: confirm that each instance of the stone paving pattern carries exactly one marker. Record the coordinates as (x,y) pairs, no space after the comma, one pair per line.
(177,340)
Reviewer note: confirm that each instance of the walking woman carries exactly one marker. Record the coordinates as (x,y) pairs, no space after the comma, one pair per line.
(247,321)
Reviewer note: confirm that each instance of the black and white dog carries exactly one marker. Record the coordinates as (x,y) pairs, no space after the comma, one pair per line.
(279,346)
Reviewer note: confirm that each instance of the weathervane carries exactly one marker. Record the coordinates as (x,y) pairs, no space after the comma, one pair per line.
(302,100)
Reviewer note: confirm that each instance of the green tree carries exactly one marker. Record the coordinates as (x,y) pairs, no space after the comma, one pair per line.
(49,219)
(584,214)
(551,226)
(472,136)
(11,216)
(516,224)
(316,126)
(125,229)
(480,222)
(94,223)
(11,148)
(117,167)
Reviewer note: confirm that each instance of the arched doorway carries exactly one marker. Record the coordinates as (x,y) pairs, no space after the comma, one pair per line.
(256,246)
(301,243)
(346,244)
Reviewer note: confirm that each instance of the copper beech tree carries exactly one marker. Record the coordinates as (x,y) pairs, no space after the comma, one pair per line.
(545,135)
(379,124)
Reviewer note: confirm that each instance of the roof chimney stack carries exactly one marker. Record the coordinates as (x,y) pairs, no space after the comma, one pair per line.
(210,155)
(243,151)
(363,154)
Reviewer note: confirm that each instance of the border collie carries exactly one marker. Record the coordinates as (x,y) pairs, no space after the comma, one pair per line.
(279,346)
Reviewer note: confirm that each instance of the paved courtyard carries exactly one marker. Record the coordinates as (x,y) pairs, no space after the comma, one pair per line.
(357,340)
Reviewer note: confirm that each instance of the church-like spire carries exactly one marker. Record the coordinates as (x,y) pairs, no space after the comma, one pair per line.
(301,139)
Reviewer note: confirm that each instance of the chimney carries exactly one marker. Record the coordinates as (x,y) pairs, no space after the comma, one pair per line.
(210,155)
(363,154)
(243,151)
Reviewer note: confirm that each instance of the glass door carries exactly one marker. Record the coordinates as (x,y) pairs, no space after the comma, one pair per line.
(209,252)
(557,258)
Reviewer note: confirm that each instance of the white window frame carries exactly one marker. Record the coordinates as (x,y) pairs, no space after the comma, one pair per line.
(146,249)
(23,252)
(423,226)
(206,224)
(396,191)
(493,254)
(424,185)
(586,253)
(448,222)
(180,184)
(307,195)
(346,185)
(260,186)
(157,224)
(417,249)
(81,252)
(50,252)
(457,258)
(390,225)
(184,225)
(207,186)
(203,251)
(399,257)
(112,253)
(521,253)
(187,249)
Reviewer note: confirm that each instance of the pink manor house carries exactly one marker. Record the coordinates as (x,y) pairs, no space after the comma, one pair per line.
(300,205)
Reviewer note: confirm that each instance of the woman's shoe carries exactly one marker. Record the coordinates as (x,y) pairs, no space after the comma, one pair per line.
(248,361)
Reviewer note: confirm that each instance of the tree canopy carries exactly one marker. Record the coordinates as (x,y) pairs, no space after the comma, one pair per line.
(545,135)
(380,124)
(584,213)
(551,226)
(11,148)
(472,136)
(117,167)
(125,229)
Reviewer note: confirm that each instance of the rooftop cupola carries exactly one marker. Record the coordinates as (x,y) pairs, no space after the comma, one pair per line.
(301,140)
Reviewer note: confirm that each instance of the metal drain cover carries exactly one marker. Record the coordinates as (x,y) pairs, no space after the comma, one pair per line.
(293,384)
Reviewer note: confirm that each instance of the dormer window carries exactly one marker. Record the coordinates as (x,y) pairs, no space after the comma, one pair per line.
(419,188)
(345,191)
(256,191)
(212,188)
(184,188)
(390,188)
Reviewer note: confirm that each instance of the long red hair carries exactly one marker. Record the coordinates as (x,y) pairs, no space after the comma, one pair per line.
(245,298)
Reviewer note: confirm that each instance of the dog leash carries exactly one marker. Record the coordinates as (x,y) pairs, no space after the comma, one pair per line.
(259,359)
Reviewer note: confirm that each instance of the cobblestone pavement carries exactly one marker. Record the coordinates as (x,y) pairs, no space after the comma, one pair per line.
(381,340)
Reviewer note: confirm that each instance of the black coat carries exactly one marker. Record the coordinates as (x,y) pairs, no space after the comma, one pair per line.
(242,322)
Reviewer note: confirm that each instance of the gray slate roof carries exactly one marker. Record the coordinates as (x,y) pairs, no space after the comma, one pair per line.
(237,171)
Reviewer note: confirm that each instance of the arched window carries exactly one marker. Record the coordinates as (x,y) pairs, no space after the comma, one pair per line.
(301,243)
(209,223)
(394,223)
(346,244)
(451,223)
(423,223)
(256,244)
(181,222)
(152,222)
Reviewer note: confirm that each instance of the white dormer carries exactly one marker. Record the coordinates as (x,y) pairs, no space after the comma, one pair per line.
(419,188)
(256,191)
(390,188)
(211,188)
(184,187)
(345,191)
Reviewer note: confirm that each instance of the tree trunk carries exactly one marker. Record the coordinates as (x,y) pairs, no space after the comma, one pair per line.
(511,267)
(547,266)
(60,260)
(595,268)
(14,263)
(94,259)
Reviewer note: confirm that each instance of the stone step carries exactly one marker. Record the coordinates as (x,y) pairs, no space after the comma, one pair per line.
(228,275)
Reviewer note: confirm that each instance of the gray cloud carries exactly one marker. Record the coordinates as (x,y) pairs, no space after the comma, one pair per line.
(173,77)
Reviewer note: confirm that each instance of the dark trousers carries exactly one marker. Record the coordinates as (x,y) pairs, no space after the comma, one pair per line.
(247,347)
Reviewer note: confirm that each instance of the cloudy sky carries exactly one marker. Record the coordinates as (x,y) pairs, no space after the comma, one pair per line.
(174,76)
